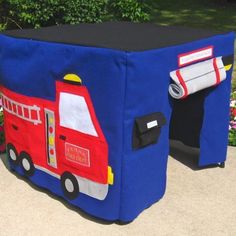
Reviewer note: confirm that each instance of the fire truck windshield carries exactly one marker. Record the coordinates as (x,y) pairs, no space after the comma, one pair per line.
(74,114)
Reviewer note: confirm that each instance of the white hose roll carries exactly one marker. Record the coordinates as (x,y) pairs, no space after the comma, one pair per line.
(194,78)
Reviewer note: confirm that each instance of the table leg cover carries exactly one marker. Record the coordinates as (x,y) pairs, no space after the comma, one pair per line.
(91,123)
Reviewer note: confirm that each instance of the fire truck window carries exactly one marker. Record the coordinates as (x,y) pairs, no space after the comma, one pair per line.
(74,114)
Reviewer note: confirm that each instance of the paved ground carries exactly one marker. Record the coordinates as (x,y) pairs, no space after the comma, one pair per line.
(197,202)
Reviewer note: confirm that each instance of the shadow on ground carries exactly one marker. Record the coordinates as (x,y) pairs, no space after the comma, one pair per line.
(186,155)
(3,158)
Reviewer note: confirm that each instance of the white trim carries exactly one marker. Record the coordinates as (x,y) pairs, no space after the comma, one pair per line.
(86,186)
(92,189)
(195,56)
(47,171)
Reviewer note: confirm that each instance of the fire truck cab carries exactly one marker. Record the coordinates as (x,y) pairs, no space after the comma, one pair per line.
(62,138)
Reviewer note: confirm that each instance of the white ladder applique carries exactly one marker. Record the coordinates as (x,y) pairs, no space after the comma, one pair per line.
(25,112)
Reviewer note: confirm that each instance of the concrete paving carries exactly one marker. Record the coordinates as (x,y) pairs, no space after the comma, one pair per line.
(197,202)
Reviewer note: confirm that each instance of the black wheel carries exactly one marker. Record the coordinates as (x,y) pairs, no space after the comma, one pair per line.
(222,165)
(69,185)
(12,154)
(27,164)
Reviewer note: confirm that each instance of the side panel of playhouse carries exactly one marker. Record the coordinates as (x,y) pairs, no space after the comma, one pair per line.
(146,131)
(215,128)
(201,119)
(147,117)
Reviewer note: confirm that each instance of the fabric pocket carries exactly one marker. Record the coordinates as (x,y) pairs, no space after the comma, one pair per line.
(147,129)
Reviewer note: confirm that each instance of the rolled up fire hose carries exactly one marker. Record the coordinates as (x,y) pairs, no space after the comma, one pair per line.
(194,78)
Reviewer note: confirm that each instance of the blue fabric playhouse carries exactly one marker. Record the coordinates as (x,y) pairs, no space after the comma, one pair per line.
(89,109)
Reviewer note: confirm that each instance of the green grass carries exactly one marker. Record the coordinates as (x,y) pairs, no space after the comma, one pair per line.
(195,13)
(210,14)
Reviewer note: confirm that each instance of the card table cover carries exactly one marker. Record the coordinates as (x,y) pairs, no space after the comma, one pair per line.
(88,114)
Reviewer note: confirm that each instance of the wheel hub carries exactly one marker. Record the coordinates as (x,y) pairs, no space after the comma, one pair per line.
(26,164)
(12,155)
(69,185)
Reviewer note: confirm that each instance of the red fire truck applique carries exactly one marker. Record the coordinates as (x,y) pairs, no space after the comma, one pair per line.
(62,138)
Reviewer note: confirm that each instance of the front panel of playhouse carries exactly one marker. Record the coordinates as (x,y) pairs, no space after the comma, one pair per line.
(61,138)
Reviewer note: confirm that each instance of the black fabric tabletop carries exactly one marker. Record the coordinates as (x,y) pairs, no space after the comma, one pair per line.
(117,35)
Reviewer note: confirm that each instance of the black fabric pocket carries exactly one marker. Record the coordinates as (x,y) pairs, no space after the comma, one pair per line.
(147,129)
